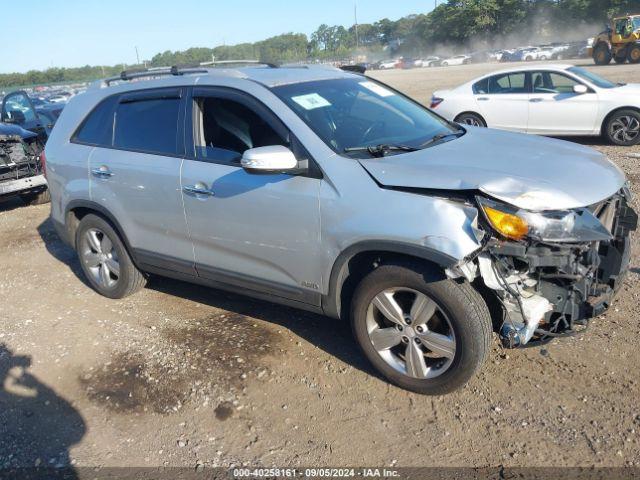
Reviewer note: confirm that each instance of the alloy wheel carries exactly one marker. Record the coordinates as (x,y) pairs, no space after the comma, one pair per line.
(625,128)
(473,121)
(411,333)
(100,257)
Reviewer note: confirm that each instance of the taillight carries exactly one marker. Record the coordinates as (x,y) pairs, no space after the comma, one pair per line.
(435,101)
(43,163)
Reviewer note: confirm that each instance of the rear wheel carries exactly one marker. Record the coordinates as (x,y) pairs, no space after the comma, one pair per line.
(104,259)
(623,128)
(471,118)
(36,198)
(422,332)
(602,54)
(634,54)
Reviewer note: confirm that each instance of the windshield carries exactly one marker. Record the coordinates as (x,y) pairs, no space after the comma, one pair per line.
(597,80)
(636,23)
(359,112)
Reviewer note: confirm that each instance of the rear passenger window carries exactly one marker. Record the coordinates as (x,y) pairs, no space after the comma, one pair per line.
(481,87)
(508,83)
(97,129)
(148,125)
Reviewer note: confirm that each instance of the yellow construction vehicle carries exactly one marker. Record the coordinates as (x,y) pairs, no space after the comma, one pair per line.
(620,41)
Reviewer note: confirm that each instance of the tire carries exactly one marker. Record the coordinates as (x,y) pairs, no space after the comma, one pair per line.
(543,58)
(458,321)
(602,54)
(471,118)
(634,54)
(112,282)
(619,60)
(36,198)
(623,128)
(445,64)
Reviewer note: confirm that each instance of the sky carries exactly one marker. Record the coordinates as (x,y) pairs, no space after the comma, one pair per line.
(73,33)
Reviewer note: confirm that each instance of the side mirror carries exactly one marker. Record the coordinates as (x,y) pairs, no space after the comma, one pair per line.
(272,159)
(580,89)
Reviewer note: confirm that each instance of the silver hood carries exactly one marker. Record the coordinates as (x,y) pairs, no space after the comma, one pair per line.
(529,172)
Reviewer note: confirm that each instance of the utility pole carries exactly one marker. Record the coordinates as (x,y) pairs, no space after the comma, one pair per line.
(355,17)
(137,57)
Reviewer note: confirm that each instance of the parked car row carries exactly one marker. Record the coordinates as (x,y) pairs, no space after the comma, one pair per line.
(553,51)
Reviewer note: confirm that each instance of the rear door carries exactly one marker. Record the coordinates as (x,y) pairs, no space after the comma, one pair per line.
(505,101)
(135,175)
(18,109)
(556,109)
(257,232)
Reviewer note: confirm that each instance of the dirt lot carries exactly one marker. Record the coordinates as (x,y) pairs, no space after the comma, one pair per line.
(181,375)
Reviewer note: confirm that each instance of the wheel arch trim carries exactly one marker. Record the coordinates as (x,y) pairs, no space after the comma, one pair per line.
(606,118)
(101,211)
(331,302)
(471,112)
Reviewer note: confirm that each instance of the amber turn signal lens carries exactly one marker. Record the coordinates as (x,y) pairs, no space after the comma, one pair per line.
(511,226)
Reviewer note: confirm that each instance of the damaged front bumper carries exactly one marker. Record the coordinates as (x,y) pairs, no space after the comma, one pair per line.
(546,289)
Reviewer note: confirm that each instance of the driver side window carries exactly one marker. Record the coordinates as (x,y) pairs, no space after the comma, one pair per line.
(226,128)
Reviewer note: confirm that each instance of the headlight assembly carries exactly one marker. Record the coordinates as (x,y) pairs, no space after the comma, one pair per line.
(576,225)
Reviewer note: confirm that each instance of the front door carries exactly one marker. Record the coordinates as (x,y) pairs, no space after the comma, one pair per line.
(555,109)
(258,232)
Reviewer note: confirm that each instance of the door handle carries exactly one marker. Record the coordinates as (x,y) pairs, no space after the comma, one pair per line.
(483,99)
(536,100)
(102,172)
(198,189)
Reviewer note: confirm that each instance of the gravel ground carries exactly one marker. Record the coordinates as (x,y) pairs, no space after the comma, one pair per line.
(180,375)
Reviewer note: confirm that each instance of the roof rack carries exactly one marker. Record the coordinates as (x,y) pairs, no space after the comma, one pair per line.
(176,70)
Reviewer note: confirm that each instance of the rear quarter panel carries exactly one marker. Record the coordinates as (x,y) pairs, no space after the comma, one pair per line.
(68,163)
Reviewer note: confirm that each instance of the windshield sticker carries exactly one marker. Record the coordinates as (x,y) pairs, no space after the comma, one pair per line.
(311,101)
(377,89)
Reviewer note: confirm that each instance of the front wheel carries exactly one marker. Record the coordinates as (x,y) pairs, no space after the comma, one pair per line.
(602,54)
(421,331)
(472,119)
(623,128)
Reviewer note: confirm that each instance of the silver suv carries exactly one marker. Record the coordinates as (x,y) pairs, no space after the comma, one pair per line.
(334,193)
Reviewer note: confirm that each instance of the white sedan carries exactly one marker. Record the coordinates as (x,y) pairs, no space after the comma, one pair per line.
(457,60)
(560,100)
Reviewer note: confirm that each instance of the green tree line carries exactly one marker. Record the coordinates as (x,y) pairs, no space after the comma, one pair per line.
(453,24)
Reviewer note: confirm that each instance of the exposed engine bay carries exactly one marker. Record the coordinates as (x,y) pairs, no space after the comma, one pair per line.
(21,170)
(18,158)
(553,280)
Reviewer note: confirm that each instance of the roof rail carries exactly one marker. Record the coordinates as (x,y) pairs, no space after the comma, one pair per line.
(127,75)
(238,62)
(176,70)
